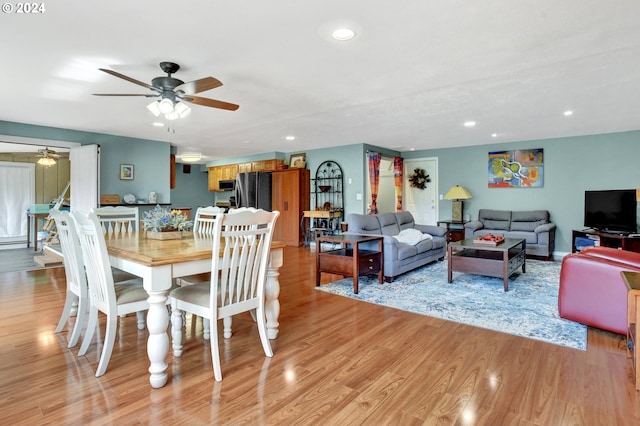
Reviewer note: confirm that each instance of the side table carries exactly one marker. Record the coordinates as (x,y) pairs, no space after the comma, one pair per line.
(455,229)
(32,222)
(632,280)
(348,259)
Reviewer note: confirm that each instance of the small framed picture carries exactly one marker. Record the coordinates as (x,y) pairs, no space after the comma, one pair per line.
(298,161)
(126,171)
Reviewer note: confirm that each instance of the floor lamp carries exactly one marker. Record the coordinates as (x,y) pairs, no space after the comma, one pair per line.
(457,193)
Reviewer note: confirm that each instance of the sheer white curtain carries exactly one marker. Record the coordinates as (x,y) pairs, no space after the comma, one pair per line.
(17,193)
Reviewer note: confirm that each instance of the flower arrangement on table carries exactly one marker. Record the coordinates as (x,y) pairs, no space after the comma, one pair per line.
(165,220)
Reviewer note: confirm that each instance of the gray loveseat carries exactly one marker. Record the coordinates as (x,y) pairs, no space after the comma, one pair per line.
(533,226)
(400,257)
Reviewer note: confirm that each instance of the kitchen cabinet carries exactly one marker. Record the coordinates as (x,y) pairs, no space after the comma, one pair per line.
(230,171)
(215,175)
(290,196)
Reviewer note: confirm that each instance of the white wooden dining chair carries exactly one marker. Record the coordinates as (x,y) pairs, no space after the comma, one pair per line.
(75,303)
(203,225)
(118,220)
(244,239)
(112,299)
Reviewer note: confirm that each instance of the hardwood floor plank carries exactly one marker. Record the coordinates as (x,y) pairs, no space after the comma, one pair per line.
(336,361)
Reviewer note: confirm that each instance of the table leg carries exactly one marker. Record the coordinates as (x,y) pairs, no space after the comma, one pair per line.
(272,293)
(356,267)
(28,230)
(449,270)
(505,269)
(158,342)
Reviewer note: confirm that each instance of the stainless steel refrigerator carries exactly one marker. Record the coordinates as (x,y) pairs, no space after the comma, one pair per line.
(254,190)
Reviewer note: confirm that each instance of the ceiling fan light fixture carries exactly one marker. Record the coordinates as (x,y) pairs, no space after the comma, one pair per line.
(165,106)
(182,109)
(46,161)
(172,116)
(191,157)
(154,108)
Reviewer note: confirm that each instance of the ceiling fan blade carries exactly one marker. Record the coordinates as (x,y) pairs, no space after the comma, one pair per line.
(126,94)
(200,85)
(213,103)
(129,79)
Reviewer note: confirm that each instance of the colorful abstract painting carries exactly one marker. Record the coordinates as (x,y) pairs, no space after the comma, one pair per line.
(522,168)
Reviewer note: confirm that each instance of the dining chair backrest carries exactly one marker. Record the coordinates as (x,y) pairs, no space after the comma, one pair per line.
(74,271)
(71,252)
(96,260)
(244,240)
(203,223)
(118,220)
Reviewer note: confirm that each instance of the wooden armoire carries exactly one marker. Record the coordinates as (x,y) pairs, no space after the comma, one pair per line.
(290,195)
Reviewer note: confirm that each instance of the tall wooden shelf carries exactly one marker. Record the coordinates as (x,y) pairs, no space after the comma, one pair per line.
(290,196)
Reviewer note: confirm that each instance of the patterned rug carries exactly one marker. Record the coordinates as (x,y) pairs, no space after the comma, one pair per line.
(529,309)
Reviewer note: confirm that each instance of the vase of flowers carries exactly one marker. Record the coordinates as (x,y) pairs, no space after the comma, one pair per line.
(165,224)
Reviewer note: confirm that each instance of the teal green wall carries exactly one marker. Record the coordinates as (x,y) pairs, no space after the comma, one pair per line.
(151,159)
(192,189)
(571,166)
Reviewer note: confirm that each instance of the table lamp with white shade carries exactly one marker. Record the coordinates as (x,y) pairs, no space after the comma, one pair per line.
(457,194)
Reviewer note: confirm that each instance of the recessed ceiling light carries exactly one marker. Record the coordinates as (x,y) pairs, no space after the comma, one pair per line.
(494,135)
(343,34)
(158,124)
(290,138)
(568,112)
(469,123)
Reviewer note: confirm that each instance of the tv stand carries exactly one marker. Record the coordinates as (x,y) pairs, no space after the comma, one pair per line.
(623,241)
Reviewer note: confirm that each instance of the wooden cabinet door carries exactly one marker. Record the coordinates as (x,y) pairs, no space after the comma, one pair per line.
(215,175)
(229,171)
(244,168)
(290,196)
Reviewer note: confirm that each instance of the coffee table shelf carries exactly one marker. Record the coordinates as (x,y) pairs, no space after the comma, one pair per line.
(348,259)
(500,261)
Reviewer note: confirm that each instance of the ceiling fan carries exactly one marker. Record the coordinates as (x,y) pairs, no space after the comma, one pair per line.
(47,157)
(172,91)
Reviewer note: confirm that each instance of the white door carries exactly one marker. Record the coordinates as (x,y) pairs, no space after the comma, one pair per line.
(85,177)
(422,203)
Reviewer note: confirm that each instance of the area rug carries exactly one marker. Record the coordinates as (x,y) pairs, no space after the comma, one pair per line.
(529,309)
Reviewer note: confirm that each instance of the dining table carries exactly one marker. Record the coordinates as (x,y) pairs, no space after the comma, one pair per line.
(158,262)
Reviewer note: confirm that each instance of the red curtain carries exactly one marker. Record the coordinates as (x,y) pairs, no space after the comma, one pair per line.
(397,180)
(374,178)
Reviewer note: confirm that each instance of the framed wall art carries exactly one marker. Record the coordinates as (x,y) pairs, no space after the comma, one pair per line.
(298,161)
(522,168)
(126,171)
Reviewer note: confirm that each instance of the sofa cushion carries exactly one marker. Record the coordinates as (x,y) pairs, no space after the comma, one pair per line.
(528,220)
(406,251)
(405,220)
(388,224)
(364,224)
(495,219)
(424,245)
(529,237)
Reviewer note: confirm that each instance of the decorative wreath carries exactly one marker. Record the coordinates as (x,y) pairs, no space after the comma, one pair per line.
(419,178)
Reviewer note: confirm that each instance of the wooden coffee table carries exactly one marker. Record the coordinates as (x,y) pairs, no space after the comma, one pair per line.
(493,261)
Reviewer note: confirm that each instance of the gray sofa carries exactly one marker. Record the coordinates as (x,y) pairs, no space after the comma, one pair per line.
(400,257)
(533,226)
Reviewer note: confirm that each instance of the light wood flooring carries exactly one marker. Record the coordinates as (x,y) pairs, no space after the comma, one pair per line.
(336,362)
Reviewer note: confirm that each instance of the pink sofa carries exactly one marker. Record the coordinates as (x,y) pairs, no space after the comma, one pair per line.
(592,291)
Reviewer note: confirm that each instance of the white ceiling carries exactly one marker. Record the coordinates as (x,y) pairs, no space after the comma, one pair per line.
(416,71)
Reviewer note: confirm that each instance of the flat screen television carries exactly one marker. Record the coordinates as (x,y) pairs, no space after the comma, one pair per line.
(611,211)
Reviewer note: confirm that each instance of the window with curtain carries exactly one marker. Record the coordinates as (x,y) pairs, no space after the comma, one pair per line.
(17,193)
